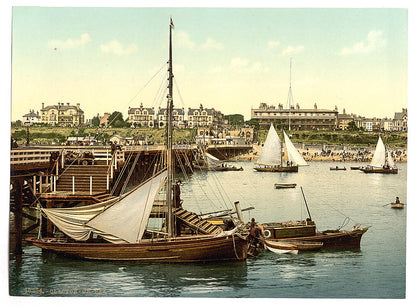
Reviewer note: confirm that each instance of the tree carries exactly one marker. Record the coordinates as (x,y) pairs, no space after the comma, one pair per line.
(116,120)
(95,121)
(352,126)
(254,123)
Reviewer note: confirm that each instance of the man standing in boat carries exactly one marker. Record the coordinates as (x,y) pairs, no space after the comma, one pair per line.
(177,194)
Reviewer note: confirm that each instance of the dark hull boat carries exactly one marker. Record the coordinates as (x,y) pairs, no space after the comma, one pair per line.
(305,231)
(284,185)
(337,168)
(379,170)
(201,248)
(282,169)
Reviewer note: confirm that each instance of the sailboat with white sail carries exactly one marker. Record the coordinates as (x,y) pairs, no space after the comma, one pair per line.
(272,157)
(382,161)
(117,229)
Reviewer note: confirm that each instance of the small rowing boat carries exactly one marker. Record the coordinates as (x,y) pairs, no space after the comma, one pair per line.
(284,185)
(397,205)
(336,168)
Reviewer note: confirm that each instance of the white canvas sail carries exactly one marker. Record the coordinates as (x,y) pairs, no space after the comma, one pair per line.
(124,218)
(127,219)
(71,221)
(379,156)
(271,154)
(293,154)
(211,160)
(390,160)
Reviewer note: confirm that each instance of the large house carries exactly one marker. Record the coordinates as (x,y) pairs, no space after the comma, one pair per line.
(64,115)
(141,117)
(204,117)
(31,118)
(297,118)
(178,120)
(344,120)
(400,120)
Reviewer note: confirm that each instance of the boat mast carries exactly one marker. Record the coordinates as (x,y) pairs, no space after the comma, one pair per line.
(289,96)
(169,143)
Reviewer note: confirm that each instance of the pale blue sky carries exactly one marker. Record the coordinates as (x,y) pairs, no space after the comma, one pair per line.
(229,59)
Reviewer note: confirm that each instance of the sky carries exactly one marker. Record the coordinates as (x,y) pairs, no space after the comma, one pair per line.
(231,59)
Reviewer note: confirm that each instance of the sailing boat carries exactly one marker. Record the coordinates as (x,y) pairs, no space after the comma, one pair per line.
(302,233)
(211,163)
(382,161)
(116,229)
(271,158)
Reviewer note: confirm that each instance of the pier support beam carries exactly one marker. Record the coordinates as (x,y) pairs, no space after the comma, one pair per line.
(18,216)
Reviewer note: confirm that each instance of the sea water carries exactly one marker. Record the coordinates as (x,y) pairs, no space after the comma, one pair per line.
(335,199)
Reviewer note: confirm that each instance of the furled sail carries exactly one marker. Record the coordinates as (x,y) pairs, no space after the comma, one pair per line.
(379,156)
(211,160)
(71,221)
(127,219)
(271,154)
(390,160)
(293,153)
(118,220)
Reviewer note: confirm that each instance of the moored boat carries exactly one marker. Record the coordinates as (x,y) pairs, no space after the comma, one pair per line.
(116,229)
(336,168)
(281,247)
(301,246)
(284,185)
(305,230)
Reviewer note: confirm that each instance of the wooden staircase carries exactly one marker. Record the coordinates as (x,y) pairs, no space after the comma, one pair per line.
(82,175)
(193,221)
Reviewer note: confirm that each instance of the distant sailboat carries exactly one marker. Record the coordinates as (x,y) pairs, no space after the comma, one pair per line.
(382,161)
(271,158)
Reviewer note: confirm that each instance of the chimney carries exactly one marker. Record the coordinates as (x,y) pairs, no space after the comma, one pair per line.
(78,105)
(67,104)
(43,105)
(315,106)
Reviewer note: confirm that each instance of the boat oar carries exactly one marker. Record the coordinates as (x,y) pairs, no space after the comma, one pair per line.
(387,204)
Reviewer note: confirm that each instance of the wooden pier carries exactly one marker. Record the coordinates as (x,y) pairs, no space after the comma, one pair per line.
(44,176)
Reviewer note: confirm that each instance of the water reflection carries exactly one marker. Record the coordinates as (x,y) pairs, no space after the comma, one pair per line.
(133,279)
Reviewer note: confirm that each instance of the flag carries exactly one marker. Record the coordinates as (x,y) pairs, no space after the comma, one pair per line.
(171,23)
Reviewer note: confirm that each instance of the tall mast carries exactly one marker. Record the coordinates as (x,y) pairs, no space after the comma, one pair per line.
(289,96)
(169,143)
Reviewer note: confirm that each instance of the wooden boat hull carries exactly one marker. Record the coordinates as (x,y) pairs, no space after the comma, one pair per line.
(281,169)
(284,185)
(354,168)
(281,247)
(350,238)
(289,229)
(337,169)
(397,206)
(292,244)
(379,170)
(181,249)
(226,169)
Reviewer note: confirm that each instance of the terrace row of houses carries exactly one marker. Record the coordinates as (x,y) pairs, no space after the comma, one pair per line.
(295,117)
(324,119)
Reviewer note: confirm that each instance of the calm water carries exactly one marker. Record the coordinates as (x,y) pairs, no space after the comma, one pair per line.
(376,270)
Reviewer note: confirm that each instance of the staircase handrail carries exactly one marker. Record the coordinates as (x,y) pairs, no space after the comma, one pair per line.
(56,163)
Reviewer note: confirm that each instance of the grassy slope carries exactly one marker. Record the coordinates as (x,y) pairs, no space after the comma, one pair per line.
(47,135)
